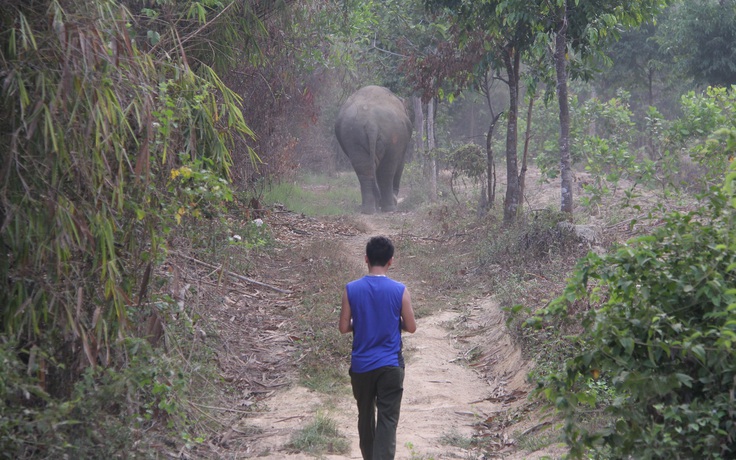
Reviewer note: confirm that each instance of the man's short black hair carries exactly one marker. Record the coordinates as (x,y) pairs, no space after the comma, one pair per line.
(379,251)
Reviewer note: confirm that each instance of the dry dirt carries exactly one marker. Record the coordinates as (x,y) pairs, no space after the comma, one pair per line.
(444,397)
(447,394)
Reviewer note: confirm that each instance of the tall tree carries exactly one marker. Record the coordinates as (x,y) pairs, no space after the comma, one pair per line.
(495,37)
(638,64)
(485,87)
(515,27)
(702,36)
(375,37)
(560,58)
(582,29)
(431,145)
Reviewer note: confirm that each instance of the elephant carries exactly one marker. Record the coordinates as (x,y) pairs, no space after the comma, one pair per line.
(374,130)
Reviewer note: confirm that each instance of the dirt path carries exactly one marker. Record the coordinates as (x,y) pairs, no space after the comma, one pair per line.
(443,398)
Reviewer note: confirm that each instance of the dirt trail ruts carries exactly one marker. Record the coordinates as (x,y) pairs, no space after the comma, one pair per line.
(443,396)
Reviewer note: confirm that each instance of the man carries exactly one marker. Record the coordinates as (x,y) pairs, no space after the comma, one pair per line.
(376,309)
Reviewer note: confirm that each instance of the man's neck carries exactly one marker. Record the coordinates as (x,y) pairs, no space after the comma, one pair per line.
(377,271)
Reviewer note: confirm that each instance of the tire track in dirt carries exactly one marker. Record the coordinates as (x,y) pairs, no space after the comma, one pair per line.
(442,396)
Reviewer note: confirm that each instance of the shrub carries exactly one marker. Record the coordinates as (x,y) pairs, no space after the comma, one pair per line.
(662,340)
(104,416)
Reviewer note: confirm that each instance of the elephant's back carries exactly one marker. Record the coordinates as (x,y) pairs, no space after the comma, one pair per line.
(372,103)
(379,94)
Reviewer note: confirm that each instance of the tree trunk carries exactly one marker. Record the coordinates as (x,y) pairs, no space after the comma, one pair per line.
(561,69)
(472,122)
(650,135)
(524,155)
(593,127)
(491,163)
(511,204)
(418,128)
(489,188)
(430,151)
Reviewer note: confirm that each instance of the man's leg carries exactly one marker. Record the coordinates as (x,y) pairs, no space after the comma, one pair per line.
(389,390)
(364,391)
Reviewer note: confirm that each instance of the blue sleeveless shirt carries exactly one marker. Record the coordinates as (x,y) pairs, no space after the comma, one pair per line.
(375,306)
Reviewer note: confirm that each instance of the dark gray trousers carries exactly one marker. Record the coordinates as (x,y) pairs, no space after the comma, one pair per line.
(380,389)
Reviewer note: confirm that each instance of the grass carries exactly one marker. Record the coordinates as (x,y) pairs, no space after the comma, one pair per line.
(317,195)
(417,455)
(326,352)
(325,379)
(538,441)
(439,265)
(455,439)
(321,436)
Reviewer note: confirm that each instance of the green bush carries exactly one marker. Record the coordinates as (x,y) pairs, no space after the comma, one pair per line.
(702,116)
(661,339)
(414,186)
(103,416)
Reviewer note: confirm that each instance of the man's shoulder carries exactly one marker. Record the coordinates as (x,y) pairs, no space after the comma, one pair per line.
(397,282)
(356,281)
(368,280)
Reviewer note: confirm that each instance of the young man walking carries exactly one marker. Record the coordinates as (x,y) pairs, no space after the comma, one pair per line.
(376,309)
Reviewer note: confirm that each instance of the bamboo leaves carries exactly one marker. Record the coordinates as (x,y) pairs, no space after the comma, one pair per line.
(91,131)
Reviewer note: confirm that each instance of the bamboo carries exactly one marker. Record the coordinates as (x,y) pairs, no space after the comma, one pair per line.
(86,192)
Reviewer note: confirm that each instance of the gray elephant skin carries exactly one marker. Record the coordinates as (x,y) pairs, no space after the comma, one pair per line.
(374,131)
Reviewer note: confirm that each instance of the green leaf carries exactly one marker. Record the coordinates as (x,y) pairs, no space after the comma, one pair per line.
(684,379)
(699,351)
(153,37)
(628,344)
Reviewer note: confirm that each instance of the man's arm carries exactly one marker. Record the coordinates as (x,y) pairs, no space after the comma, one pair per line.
(408,323)
(346,317)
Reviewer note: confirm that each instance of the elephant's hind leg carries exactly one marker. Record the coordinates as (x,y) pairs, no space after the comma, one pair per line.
(370,194)
(385,178)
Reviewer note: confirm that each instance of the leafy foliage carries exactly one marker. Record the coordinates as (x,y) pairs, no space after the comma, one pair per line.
(604,143)
(107,142)
(678,154)
(92,131)
(704,114)
(701,36)
(662,337)
(467,160)
(636,63)
(597,126)
(106,412)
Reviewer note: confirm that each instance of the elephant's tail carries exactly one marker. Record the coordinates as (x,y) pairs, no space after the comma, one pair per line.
(376,190)
(372,142)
